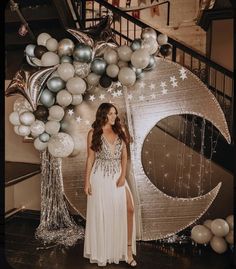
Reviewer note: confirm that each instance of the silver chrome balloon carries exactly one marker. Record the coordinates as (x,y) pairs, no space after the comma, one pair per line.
(55,84)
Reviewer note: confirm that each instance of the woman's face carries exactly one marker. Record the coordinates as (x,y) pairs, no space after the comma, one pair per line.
(111,116)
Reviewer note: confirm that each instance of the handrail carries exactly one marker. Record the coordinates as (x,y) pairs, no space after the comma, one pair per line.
(170,40)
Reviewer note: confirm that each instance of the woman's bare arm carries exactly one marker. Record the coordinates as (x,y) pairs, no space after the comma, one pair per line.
(121,180)
(89,163)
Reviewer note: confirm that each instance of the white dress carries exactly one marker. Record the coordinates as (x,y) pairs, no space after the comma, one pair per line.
(106,239)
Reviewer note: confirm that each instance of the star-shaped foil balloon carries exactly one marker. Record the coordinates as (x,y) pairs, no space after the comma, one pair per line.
(29,83)
(102,33)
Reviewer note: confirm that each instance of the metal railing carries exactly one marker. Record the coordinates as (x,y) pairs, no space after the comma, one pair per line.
(126,28)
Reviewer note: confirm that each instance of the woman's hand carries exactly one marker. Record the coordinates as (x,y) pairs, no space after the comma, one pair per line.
(88,189)
(120,182)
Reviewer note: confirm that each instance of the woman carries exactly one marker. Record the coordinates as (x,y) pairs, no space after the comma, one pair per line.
(110,222)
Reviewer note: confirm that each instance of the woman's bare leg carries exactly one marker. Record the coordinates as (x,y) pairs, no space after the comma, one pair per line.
(130,213)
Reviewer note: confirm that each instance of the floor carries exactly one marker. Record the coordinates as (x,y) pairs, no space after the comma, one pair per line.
(22,251)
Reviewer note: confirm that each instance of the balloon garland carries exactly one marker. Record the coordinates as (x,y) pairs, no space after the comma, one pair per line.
(67,70)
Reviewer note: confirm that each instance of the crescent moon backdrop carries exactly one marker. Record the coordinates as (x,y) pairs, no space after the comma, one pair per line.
(167,90)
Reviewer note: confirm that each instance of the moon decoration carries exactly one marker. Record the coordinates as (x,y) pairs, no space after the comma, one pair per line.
(29,84)
(169,89)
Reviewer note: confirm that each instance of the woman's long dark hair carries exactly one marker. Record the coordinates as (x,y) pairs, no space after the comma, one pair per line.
(101,120)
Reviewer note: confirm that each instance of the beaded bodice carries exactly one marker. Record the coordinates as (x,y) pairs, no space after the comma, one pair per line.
(109,157)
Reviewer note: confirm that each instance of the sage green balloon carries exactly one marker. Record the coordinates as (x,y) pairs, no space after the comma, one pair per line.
(66,59)
(56,84)
(47,98)
(98,66)
(44,137)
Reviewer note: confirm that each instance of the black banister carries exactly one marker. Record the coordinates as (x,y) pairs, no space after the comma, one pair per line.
(170,40)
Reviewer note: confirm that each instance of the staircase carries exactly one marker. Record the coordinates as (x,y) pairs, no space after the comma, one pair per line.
(217,78)
(54,16)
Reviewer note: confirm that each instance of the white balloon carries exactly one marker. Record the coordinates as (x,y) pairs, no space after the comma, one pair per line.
(52,127)
(27,118)
(122,64)
(93,79)
(110,56)
(37,128)
(230,221)
(76,85)
(77,99)
(112,70)
(52,44)
(64,98)
(140,58)
(162,39)
(124,53)
(127,76)
(60,145)
(201,234)
(56,113)
(21,103)
(66,71)
(24,130)
(16,129)
(42,39)
(230,237)
(50,58)
(207,223)
(218,244)
(14,118)
(219,227)
(39,145)
(150,44)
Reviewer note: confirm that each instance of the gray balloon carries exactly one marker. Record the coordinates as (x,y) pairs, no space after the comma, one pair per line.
(112,70)
(136,44)
(27,118)
(98,66)
(55,84)
(44,137)
(47,98)
(77,99)
(93,79)
(152,63)
(66,59)
(65,47)
(29,50)
(82,53)
(148,32)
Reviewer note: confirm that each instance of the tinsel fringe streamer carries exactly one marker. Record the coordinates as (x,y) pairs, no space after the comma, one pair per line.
(56,226)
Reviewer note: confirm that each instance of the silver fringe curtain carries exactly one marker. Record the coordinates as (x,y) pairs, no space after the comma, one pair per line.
(56,226)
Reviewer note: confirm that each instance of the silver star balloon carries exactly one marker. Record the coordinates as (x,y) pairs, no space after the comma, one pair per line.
(29,84)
